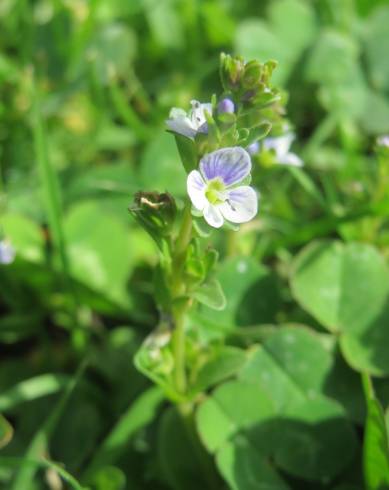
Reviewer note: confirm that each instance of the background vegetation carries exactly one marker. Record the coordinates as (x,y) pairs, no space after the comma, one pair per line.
(85,87)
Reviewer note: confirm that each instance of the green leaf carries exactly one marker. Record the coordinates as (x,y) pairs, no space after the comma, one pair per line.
(251,292)
(109,478)
(188,153)
(182,460)
(292,367)
(30,389)
(243,469)
(112,50)
(211,294)
(160,167)
(226,362)
(164,24)
(290,29)
(292,364)
(233,406)
(343,286)
(25,235)
(346,288)
(375,444)
(99,250)
(316,440)
(376,43)
(333,58)
(6,431)
(229,426)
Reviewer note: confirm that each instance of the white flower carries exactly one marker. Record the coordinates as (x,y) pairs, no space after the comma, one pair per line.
(7,252)
(281,145)
(218,190)
(191,123)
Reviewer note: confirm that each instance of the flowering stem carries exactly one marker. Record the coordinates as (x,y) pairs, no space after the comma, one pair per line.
(180,304)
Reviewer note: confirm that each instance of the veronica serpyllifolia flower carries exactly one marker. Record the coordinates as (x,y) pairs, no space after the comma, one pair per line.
(7,252)
(281,145)
(191,123)
(219,188)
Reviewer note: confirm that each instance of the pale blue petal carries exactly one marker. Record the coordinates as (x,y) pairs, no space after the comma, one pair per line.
(181,125)
(213,216)
(231,165)
(195,186)
(241,205)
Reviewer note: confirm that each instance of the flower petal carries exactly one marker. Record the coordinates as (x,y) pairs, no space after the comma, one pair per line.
(231,165)
(180,123)
(241,205)
(279,144)
(195,186)
(213,216)
(290,159)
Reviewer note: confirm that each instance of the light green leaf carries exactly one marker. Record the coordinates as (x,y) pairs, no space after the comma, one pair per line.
(99,250)
(25,235)
(161,169)
(109,478)
(232,408)
(376,41)
(30,389)
(226,362)
(346,288)
(343,286)
(333,58)
(241,467)
(211,295)
(291,365)
(112,50)
(251,293)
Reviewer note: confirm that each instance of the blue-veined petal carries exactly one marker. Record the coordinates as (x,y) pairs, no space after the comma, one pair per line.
(196,189)
(241,205)
(231,165)
(181,124)
(213,215)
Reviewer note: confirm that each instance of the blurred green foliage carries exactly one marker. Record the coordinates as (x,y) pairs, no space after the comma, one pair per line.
(85,87)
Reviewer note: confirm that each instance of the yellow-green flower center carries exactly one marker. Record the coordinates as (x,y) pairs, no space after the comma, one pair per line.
(214,191)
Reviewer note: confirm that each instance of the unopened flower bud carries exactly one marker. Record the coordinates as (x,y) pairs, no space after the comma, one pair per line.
(231,71)
(226,105)
(252,75)
(155,212)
